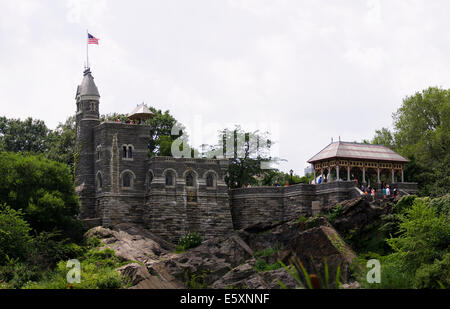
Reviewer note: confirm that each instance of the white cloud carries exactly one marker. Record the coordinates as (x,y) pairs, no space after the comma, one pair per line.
(318,69)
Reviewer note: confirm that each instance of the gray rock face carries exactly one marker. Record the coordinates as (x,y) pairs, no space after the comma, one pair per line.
(227,261)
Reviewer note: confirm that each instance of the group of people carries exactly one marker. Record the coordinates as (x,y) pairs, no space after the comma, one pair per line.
(386,190)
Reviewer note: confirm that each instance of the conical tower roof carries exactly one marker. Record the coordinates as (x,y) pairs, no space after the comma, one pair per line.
(87,87)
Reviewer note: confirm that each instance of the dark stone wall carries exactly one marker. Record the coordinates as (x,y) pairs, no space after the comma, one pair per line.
(275,204)
(86,120)
(256,204)
(408,187)
(173,211)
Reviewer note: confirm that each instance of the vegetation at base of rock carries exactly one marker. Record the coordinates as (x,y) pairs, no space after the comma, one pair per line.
(191,240)
(297,270)
(195,281)
(14,234)
(262,265)
(98,271)
(420,252)
(269,251)
(335,213)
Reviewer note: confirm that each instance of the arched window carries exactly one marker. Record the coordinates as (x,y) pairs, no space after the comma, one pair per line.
(169,178)
(189,180)
(126,180)
(99,181)
(130,152)
(124,151)
(99,150)
(210,180)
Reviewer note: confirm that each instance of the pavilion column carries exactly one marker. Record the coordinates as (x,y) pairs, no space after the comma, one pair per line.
(337,172)
(378,175)
(314,175)
(348,173)
(393,177)
(403,179)
(364,175)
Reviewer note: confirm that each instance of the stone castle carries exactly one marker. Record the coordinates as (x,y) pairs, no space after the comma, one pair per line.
(117,182)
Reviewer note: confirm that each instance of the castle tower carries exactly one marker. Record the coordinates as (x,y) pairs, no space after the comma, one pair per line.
(87,117)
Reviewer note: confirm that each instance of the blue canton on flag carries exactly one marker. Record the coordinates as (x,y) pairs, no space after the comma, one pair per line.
(92,39)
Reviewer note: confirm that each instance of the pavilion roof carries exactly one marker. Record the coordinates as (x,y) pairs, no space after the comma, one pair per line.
(348,150)
(141,111)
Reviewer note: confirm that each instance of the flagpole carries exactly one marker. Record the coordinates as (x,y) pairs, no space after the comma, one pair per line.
(87,49)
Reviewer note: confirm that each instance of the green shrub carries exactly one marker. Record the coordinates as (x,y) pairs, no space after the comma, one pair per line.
(189,241)
(194,281)
(404,203)
(313,222)
(302,219)
(297,271)
(421,255)
(15,274)
(262,265)
(269,251)
(14,238)
(98,271)
(335,213)
(44,190)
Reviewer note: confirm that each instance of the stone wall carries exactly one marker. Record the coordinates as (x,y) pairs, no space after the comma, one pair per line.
(405,187)
(171,211)
(275,204)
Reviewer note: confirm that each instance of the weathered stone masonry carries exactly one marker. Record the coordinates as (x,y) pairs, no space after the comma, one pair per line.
(271,204)
(118,182)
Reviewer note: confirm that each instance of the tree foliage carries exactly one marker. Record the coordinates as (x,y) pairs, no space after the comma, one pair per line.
(14,238)
(421,134)
(421,250)
(248,152)
(42,189)
(61,145)
(29,135)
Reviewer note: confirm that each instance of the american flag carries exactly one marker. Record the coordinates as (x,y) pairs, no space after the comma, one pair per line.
(92,39)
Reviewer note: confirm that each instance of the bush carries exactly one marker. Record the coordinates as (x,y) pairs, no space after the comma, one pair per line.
(262,265)
(421,255)
(98,271)
(14,238)
(15,274)
(269,251)
(189,241)
(44,190)
(404,203)
(335,213)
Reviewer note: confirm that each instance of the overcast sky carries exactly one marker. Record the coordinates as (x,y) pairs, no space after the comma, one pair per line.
(307,70)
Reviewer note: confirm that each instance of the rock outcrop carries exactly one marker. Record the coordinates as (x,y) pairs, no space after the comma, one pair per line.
(228,261)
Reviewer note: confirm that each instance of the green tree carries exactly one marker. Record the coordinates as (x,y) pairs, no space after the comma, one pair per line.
(383,137)
(29,135)
(14,237)
(421,134)
(248,152)
(421,250)
(43,190)
(62,142)
(161,136)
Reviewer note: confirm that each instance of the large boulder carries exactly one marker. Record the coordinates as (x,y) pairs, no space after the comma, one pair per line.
(319,245)
(132,243)
(245,277)
(207,262)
